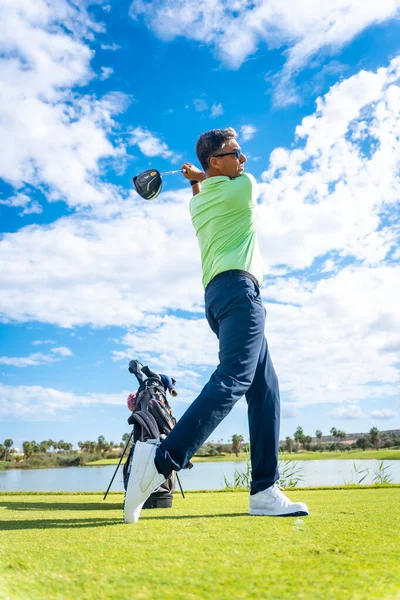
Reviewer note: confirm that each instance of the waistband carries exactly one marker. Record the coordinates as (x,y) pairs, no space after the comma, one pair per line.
(234,272)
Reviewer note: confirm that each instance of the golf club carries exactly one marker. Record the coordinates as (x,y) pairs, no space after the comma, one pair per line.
(149,183)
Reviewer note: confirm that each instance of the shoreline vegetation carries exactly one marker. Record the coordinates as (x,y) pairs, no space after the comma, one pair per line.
(80,459)
(375,445)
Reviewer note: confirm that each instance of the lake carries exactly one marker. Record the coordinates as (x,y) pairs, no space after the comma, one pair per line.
(203,476)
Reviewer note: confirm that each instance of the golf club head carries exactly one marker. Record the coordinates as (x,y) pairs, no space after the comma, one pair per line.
(148,184)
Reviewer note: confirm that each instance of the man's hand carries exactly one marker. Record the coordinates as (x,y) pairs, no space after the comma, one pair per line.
(192,172)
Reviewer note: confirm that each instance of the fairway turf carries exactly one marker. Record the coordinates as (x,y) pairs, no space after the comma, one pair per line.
(75,546)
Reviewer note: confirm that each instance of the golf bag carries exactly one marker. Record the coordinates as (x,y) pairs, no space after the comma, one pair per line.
(151,419)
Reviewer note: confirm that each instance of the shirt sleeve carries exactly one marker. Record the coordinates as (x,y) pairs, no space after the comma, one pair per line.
(242,191)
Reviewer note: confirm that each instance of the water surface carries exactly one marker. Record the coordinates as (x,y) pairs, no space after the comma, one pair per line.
(203,476)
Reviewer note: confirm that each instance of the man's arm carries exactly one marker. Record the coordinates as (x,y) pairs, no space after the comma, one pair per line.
(192,173)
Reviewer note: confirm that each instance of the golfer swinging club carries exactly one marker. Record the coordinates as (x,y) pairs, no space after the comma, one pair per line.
(223,215)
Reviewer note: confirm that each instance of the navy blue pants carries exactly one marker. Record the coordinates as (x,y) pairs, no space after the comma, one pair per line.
(236,314)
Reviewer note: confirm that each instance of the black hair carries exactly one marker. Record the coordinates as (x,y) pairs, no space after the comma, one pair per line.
(211,142)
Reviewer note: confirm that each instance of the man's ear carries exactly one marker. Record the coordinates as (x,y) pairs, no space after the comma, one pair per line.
(213,162)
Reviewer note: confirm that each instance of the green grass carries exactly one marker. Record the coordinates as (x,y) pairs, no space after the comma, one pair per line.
(67,546)
(384,454)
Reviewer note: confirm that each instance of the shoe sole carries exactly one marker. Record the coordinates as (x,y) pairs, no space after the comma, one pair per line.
(132,516)
(261,513)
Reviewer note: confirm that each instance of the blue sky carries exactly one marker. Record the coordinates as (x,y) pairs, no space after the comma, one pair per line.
(91,94)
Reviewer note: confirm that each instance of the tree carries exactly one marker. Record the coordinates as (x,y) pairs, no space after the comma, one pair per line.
(334,433)
(237,443)
(307,439)
(299,435)
(44,446)
(124,440)
(8,443)
(362,442)
(28,449)
(289,444)
(374,436)
(101,445)
(318,434)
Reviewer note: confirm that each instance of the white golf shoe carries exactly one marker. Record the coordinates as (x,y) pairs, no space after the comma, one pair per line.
(272,502)
(144,479)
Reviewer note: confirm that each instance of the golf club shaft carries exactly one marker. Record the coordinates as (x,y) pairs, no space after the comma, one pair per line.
(115,472)
(173,172)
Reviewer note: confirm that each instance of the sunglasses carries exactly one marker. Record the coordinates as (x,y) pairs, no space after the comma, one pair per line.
(237,152)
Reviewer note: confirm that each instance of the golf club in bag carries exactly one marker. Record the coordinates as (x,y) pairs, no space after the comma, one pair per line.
(149,183)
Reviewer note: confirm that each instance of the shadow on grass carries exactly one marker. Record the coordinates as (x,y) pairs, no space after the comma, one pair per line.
(85,523)
(72,506)
(57,524)
(147,517)
(88,506)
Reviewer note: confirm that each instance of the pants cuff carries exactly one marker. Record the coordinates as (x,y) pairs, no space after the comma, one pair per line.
(164,463)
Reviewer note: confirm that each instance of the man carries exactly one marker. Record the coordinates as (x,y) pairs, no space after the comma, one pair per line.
(223,215)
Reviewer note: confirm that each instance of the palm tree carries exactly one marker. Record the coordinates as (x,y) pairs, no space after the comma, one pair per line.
(101,445)
(318,434)
(299,435)
(7,445)
(43,447)
(28,449)
(374,436)
(334,433)
(237,443)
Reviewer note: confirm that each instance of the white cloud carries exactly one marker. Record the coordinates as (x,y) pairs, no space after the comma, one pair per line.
(40,342)
(383,413)
(194,345)
(333,331)
(111,47)
(347,412)
(55,137)
(217,110)
(329,192)
(247,132)
(33,209)
(200,105)
(62,351)
(36,358)
(28,361)
(326,338)
(97,272)
(36,403)
(23,201)
(106,72)
(235,30)
(19,200)
(150,145)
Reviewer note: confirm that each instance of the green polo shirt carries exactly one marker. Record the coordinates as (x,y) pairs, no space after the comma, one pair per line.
(223,215)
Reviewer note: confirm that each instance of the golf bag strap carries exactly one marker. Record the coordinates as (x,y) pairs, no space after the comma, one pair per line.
(146,421)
